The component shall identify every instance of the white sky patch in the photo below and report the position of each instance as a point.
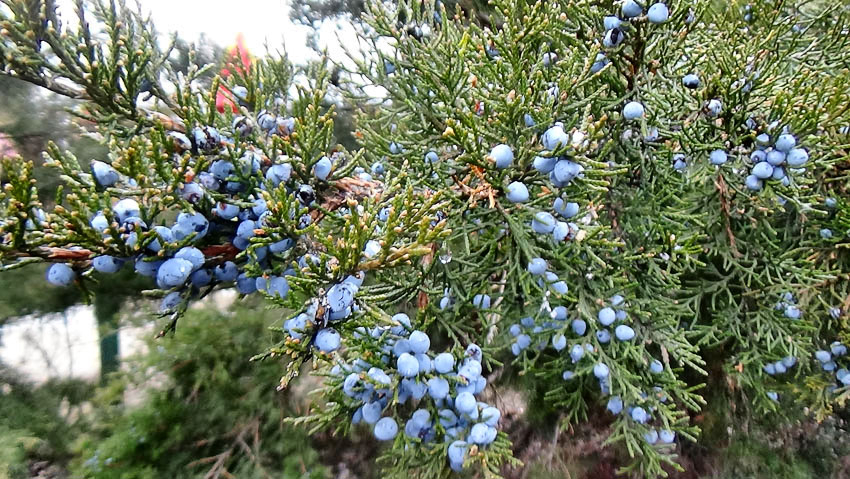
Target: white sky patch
(262, 22)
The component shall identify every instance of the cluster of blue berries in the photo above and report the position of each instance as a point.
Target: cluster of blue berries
(828, 364)
(527, 333)
(615, 28)
(443, 389)
(640, 415)
(561, 171)
(781, 366)
(201, 247)
(606, 317)
(771, 158)
(788, 306)
(827, 358)
(316, 320)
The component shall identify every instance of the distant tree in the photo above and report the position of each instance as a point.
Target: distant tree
(204, 411)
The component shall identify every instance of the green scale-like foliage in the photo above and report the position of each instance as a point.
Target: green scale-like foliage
(708, 273)
(700, 259)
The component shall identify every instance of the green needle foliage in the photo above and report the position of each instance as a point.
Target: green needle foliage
(715, 277)
(205, 410)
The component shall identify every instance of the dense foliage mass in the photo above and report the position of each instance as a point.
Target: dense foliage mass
(621, 205)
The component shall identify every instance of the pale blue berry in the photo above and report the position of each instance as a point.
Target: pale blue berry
(502, 156)
(481, 301)
(785, 142)
(371, 412)
(600, 370)
(797, 157)
(658, 13)
(517, 192)
(322, 168)
(565, 209)
(107, 264)
(631, 9)
(613, 38)
(173, 272)
(823, 356)
(456, 454)
(554, 138)
(465, 403)
(561, 231)
(444, 363)
(60, 274)
(407, 365)
(537, 266)
(478, 434)
(691, 81)
(655, 367)
(579, 327)
(125, 209)
(624, 333)
(491, 415)
(753, 182)
(523, 341)
(611, 22)
(762, 170)
(615, 405)
(633, 110)
(544, 164)
(385, 429)
(775, 157)
(576, 353)
(170, 302)
(201, 277)
(718, 157)
(559, 342)
(245, 284)
(714, 107)
(328, 340)
(438, 388)
(793, 312)
(666, 436)
(104, 174)
(639, 415)
(543, 223)
(559, 313)
(600, 62)
(419, 342)
(560, 287)
(606, 316)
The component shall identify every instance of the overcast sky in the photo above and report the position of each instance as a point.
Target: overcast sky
(260, 21)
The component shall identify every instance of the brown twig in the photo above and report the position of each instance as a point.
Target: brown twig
(723, 189)
(348, 188)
